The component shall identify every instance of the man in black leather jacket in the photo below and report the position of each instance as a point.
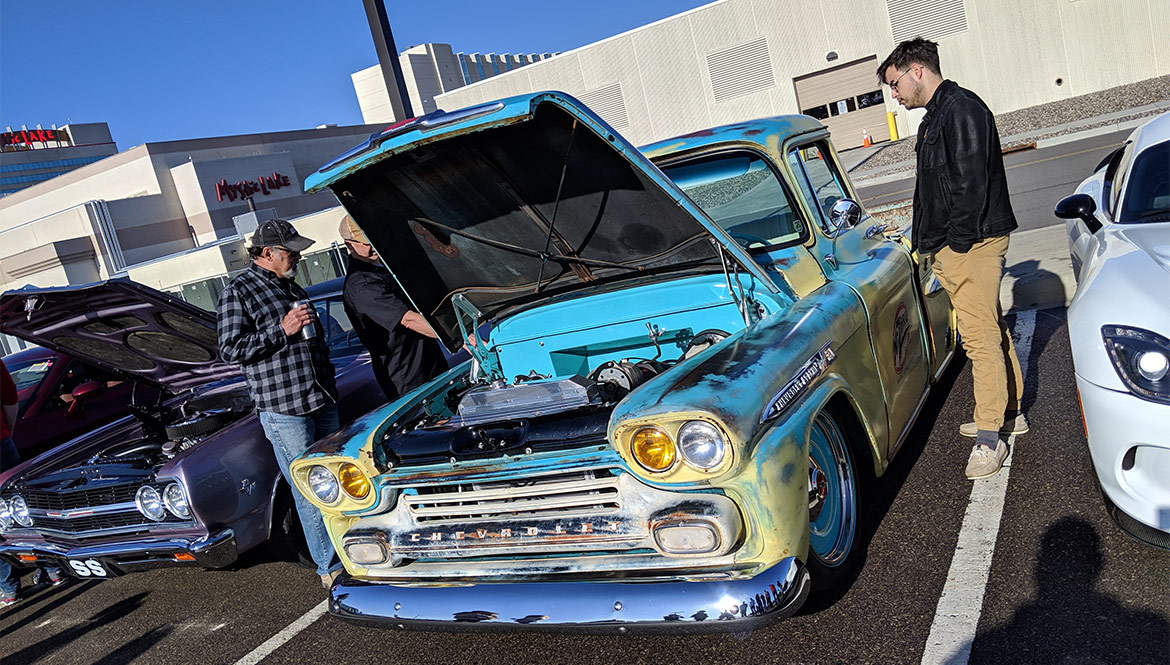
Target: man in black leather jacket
(962, 218)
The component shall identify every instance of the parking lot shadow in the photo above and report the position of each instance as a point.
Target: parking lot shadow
(56, 596)
(885, 490)
(136, 647)
(52, 643)
(1068, 621)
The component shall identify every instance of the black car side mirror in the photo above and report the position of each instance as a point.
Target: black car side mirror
(1079, 206)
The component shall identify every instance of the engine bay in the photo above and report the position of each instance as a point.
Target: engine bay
(480, 418)
(169, 429)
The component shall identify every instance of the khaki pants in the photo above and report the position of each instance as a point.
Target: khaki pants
(973, 281)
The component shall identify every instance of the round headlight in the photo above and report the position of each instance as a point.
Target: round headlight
(176, 501)
(353, 481)
(150, 503)
(653, 449)
(323, 484)
(1152, 365)
(5, 515)
(20, 511)
(701, 444)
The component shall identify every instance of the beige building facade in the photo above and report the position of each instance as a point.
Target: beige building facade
(734, 60)
(165, 213)
(429, 70)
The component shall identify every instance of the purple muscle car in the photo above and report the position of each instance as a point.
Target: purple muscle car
(188, 478)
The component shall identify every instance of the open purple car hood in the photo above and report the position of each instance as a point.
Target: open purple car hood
(127, 328)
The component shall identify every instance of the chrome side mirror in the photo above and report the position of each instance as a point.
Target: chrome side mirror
(844, 215)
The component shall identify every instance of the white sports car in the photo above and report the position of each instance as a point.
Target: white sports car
(1119, 325)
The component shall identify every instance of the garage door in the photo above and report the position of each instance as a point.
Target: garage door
(848, 99)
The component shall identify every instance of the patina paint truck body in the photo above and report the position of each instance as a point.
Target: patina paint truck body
(699, 353)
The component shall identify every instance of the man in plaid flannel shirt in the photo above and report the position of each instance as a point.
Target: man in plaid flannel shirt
(291, 379)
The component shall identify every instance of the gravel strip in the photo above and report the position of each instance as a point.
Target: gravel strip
(1033, 118)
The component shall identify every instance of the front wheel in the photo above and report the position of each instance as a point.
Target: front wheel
(833, 513)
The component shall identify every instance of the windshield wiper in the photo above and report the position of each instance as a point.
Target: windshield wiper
(1152, 213)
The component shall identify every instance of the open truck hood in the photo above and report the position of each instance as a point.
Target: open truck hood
(517, 201)
(129, 329)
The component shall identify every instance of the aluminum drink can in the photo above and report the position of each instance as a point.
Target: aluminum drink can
(310, 329)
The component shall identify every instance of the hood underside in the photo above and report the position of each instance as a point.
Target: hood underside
(121, 326)
(538, 200)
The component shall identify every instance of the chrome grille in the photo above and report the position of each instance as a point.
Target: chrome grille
(95, 523)
(79, 498)
(590, 492)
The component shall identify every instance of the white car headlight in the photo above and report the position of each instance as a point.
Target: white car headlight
(1142, 360)
(19, 509)
(150, 503)
(323, 484)
(5, 515)
(701, 444)
(176, 501)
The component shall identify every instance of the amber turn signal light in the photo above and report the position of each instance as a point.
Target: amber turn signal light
(653, 449)
(353, 481)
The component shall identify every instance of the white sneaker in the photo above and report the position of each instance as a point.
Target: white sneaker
(1015, 425)
(985, 462)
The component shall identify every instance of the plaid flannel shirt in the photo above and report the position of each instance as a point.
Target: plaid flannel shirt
(285, 374)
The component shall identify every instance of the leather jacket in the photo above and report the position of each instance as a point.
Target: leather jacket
(960, 195)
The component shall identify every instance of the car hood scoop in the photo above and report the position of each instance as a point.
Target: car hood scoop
(1151, 239)
(129, 329)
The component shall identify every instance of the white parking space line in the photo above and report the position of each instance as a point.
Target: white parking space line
(276, 641)
(961, 603)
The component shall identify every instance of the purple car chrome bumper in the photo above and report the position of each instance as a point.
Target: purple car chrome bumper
(213, 551)
(595, 607)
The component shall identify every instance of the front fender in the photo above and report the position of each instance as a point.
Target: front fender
(734, 382)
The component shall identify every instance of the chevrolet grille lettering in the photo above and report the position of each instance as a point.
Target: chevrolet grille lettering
(482, 533)
(458, 535)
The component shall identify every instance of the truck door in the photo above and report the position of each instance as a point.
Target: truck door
(883, 275)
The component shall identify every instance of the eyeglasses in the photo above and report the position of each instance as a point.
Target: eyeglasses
(894, 84)
(291, 253)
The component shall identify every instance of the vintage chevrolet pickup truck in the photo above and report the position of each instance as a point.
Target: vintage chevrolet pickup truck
(700, 354)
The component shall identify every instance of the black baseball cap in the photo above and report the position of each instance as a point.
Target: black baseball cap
(279, 233)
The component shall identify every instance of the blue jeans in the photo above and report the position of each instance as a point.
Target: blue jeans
(291, 436)
(9, 580)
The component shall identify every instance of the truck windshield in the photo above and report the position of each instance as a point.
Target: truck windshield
(743, 195)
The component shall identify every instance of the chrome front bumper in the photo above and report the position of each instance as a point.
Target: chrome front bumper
(214, 551)
(594, 607)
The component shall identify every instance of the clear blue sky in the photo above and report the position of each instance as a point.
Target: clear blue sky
(159, 70)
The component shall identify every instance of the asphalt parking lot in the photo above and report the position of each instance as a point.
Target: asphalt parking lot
(1064, 584)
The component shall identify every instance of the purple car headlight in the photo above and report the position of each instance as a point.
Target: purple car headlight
(19, 509)
(176, 501)
(150, 504)
(6, 520)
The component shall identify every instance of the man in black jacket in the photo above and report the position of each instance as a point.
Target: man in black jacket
(962, 218)
(402, 346)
